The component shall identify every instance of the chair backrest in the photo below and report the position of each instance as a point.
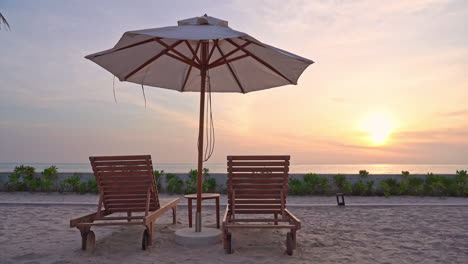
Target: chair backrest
(257, 184)
(124, 182)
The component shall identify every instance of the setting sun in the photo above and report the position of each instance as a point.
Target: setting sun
(378, 126)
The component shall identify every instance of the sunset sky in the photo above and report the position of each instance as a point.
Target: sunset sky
(390, 83)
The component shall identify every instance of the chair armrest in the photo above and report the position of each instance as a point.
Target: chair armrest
(150, 218)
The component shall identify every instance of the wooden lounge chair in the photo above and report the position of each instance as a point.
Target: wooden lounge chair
(258, 185)
(126, 185)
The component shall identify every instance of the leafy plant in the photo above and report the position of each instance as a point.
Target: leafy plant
(342, 183)
(157, 178)
(209, 183)
(363, 174)
(174, 184)
(191, 182)
(50, 178)
(404, 185)
(315, 184)
(27, 173)
(369, 187)
(73, 183)
(434, 184)
(406, 174)
(82, 187)
(359, 188)
(415, 186)
(461, 180)
(14, 183)
(297, 187)
(92, 186)
(389, 187)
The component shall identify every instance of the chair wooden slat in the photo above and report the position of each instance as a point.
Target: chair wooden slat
(114, 173)
(258, 185)
(258, 163)
(258, 169)
(257, 157)
(126, 185)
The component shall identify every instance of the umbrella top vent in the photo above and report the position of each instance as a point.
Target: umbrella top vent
(203, 20)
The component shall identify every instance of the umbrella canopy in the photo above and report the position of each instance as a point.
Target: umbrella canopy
(198, 49)
(169, 57)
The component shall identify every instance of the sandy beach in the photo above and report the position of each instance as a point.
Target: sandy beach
(40, 233)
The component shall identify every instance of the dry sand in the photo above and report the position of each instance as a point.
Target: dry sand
(382, 234)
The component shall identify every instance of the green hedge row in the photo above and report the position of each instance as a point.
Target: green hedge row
(431, 184)
(24, 179)
(175, 185)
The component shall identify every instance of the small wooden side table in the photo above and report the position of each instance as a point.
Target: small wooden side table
(205, 196)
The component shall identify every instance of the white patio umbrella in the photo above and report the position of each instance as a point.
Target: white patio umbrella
(200, 49)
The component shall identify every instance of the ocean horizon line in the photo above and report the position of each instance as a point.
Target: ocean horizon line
(294, 168)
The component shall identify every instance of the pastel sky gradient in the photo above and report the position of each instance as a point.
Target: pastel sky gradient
(405, 59)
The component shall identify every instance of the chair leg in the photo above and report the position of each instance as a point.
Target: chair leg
(217, 212)
(150, 232)
(189, 212)
(225, 238)
(276, 218)
(174, 215)
(294, 235)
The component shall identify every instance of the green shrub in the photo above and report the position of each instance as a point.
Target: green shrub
(415, 186)
(403, 187)
(369, 187)
(92, 186)
(191, 182)
(157, 179)
(315, 184)
(359, 188)
(406, 174)
(209, 183)
(363, 174)
(174, 184)
(342, 183)
(82, 187)
(297, 187)
(461, 180)
(25, 170)
(389, 187)
(72, 184)
(30, 182)
(435, 184)
(50, 178)
(14, 183)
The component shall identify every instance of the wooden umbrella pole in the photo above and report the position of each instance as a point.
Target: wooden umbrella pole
(203, 68)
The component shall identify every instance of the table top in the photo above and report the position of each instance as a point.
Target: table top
(204, 195)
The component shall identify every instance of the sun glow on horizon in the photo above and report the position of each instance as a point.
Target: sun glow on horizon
(378, 126)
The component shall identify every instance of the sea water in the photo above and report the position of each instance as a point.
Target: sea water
(294, 168)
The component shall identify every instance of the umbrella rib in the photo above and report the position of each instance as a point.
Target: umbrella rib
(189, 62)
(194, 52)
(228, 61)
(231, 70)
(185, 58)
(215, 44)
(151, 60)
(260, 60)
(230, 53)
(190, 67)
